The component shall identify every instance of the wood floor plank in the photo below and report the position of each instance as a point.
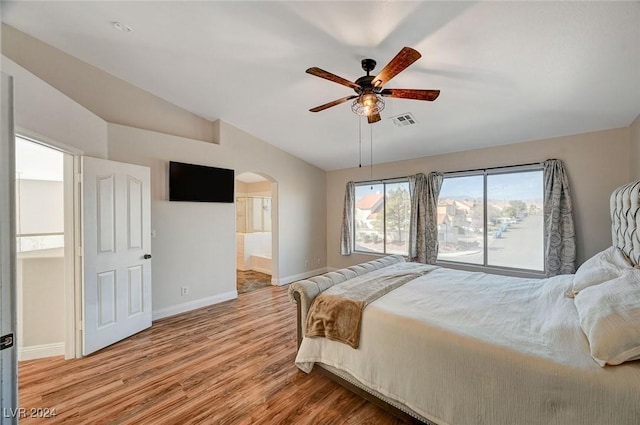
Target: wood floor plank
(231, 363)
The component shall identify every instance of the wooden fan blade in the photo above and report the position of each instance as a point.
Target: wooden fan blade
(403, 59)
(373, 118)
(332, 77)
(430, 95)
(333, 103)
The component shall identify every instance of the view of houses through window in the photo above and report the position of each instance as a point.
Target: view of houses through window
(510, 210)
(508, 204)
(382, 217)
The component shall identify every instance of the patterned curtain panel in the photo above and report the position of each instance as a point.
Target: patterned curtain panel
(348, 223)
(434, 183)
(418, 218)
(559, 232)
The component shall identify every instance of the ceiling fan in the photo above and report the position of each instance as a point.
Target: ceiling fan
(369, 92)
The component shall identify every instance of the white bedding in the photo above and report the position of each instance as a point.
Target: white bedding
(471, 348)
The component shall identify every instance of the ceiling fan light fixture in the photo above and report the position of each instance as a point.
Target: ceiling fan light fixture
(367, 104)
(369, 92)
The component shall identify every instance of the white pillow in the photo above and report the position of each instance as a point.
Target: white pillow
(610, 318)
(606, 265)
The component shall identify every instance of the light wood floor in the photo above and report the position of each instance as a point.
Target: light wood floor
(232, 363)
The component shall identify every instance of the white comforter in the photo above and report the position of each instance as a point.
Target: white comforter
(464, 348)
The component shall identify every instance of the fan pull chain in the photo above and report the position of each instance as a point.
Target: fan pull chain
(360, 142)
(371, 152)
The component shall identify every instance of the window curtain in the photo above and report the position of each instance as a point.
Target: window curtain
(559, 232)
(423, 222)
(418, 218)
(434, 184)
(348, 223)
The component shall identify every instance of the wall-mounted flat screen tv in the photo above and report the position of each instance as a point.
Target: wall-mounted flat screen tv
(198, 183)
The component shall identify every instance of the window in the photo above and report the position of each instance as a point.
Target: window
(493, 218)
(39, 197)
(382, 217)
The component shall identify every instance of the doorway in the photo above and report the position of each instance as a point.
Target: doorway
(42, 249)
(255, 244)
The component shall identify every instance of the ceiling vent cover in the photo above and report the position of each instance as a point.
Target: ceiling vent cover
(404, 120)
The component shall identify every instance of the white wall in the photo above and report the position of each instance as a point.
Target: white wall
(596, 164)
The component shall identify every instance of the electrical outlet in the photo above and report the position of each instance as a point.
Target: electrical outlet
(184, 290)
(306, 263)
(318, 261)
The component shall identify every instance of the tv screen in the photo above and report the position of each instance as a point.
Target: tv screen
(197, 183)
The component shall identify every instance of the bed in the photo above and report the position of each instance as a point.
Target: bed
(450, 347)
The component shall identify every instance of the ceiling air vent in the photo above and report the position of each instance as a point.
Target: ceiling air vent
(403, 120)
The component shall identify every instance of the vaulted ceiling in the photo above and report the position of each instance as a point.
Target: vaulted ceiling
(508, 71)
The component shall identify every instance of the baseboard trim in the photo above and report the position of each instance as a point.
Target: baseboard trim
(33, 352)
(192, 305)
(290, 279)
(261, 270)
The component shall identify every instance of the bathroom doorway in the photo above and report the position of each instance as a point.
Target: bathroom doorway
(255, 243)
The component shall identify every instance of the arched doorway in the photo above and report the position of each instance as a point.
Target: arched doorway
(256, 231)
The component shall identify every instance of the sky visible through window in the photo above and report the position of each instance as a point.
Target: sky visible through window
(509, 187)
(508, 223)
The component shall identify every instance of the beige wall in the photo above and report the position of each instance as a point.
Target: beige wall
(111, 98)
(46, 114)
(258, 188)
(634, 139)
(241, 187)
(593, 162)
(40, 206)
(41, 290)
(195, 242)
(253, 189)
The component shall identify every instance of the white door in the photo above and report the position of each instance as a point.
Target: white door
(116, 247)
(8, 355)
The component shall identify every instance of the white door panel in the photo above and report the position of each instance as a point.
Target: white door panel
(116, 238)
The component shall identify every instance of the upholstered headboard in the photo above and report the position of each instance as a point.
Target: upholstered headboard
(625, 220)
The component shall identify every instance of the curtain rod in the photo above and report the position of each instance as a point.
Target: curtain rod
(495, 168)
(382, 180)
(452, 172)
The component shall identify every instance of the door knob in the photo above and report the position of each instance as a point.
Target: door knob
(147, 256)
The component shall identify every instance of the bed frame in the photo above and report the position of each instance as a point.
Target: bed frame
(302, 294)
(395, 411)
(625, 220)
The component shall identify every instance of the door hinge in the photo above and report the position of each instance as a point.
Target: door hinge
(79, 178)
(6, 341)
